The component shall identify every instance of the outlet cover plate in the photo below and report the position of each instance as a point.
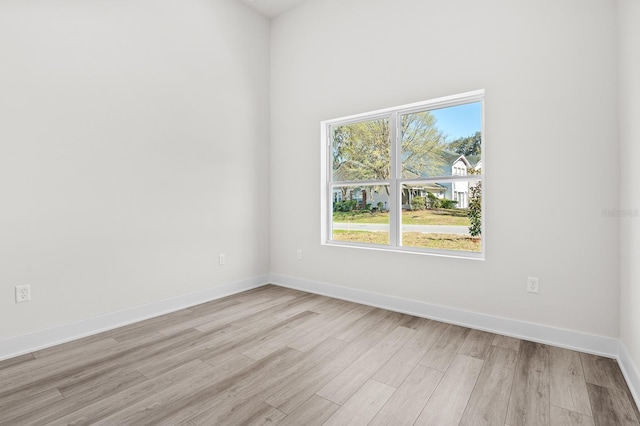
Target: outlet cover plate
(23, 293)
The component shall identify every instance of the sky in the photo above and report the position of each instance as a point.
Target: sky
(459, 121)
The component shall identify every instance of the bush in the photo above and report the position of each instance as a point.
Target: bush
(448, 204)
(418, 203)
(344, 206)
(475, 210)
(434, 202)
(380, 206)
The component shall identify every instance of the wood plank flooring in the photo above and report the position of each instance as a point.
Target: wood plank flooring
(283, 357)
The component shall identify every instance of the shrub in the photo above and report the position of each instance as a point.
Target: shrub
(448, 204)
(344, 206)
(475, 210)
(418, 203)
(432, 201)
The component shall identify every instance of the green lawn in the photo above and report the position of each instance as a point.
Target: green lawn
(416, 217)
(413, 239)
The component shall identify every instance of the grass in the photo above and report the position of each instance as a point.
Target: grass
(413, 239)
(415, 217)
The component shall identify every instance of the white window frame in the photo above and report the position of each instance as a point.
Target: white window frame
(396, 181)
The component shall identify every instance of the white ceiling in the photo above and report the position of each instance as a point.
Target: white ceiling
(272, 8)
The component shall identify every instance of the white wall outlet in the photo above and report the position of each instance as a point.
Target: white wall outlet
(533, 285)
(222, 259)
(23, 293)
(299, 254)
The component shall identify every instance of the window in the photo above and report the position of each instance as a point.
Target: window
(408, 178)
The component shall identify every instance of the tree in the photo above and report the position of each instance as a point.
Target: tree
(422, 145)
(469, 145)
(362, 151)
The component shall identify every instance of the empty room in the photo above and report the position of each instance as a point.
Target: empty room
(319, 212)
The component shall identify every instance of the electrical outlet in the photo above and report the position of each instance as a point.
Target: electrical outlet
(222, 259)
(23, 293)
(299, 254)
(533, 285)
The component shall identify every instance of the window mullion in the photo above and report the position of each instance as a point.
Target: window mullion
(395, 205)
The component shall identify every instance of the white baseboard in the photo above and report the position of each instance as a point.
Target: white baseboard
(575, 340)
(583, 342)
(25, 343)
(630, 372)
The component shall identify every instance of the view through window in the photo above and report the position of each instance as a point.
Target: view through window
(407, 178)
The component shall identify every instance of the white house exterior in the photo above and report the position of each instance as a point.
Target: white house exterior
(367, 195)
(456, 165)
(459, 191)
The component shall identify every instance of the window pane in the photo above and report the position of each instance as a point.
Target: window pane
(442, 142)
(361, 151)
(442, 215)
(360, 214)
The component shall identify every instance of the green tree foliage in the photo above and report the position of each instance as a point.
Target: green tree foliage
(469, 145)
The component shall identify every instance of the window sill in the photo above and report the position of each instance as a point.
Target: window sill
(409, 250)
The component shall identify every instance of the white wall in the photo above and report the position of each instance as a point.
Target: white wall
(133, 150)
(549, 70)
(629, 92)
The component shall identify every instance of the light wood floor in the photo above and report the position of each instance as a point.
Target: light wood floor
(279, 356)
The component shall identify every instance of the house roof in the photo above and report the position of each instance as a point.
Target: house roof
(427, 186)
(450, 159)
(474, 159)
(471, 160)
